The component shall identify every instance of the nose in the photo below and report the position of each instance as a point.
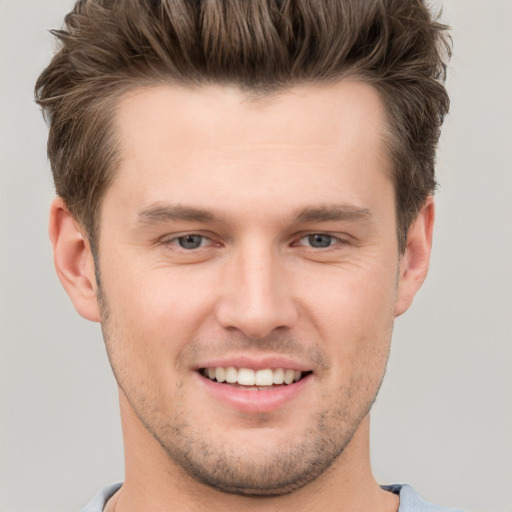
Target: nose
(256, 296)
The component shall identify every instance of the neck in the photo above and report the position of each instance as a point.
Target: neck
(154, 482)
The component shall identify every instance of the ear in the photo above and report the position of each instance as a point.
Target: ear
(73, 260)
(414, 262)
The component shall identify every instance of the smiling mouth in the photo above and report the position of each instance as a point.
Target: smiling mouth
(247, 378)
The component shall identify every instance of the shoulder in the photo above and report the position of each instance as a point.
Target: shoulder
(410, 501)
(98, 502)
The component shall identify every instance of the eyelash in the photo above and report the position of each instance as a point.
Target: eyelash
(336, 240)
(175, 241)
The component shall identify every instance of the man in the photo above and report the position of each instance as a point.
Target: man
(245, 204)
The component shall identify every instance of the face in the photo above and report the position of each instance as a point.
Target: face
(248, 260)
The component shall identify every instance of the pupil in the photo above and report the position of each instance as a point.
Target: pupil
(190, 241)
(320, 240)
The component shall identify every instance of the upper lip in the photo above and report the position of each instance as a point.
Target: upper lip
(255, 363)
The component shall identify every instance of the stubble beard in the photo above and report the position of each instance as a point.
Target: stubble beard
(226, 467)
(229, 468)
(283, 469)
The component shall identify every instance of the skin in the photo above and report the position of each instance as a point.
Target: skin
(265, 174)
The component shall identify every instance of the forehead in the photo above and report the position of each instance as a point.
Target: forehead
(214, 142)
(332, 114)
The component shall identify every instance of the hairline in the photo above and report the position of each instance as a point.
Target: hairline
(135, 85)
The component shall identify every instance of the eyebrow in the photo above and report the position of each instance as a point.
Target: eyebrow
(171, 212)
(332, 213)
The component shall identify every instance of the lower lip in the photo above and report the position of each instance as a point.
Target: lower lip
(254, 400)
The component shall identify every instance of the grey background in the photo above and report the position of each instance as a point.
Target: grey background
(443, 421)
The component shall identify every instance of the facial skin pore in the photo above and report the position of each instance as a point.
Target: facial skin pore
(254, 233)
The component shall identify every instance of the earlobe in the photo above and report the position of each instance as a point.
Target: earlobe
(415, 261)
(73, 260)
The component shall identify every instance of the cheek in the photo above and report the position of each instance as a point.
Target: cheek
(354, 316)
(155, 313)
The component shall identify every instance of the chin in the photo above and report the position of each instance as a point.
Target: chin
(269, 466)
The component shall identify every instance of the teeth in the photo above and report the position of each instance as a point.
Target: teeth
(220, 374)
(231, 374)
(246, 377)
(278, 376)
(263, 379)
(288, 376)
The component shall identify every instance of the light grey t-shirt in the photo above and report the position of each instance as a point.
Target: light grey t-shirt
(409, 500)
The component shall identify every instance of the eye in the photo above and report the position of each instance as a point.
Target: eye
(319, 240)
(191, 241)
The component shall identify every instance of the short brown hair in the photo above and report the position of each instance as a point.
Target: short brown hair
(111, 46)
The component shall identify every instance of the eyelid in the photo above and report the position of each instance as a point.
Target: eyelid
(172, 240)
(340, 241)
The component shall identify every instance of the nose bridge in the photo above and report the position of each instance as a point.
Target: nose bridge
(256, 298)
